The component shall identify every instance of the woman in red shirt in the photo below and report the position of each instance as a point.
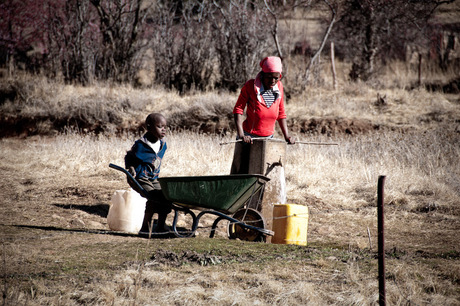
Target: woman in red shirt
(263, 98)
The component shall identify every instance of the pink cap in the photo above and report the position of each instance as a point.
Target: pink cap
(271, 64)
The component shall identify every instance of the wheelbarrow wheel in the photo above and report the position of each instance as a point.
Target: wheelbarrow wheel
(250, 217)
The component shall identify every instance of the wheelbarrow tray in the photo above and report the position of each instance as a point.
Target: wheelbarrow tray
(224, 193)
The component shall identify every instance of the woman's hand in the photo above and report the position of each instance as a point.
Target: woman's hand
(290, 140)
(247, 139)
(284, 129)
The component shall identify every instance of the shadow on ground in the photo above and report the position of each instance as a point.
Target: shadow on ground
(101, 209)
(165, 235)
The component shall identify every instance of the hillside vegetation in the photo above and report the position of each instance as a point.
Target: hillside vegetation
(40, 106)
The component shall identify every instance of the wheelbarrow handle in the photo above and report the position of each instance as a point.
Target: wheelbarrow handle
(131, 178)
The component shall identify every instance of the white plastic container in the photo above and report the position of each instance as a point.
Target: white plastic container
(126, 212)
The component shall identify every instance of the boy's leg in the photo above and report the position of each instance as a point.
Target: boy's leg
(147, 224)
(161, 206)
(156, 203)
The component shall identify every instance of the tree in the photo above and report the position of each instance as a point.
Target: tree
(120, 24)
(315, 57)
(192, 43)
(20, 22)
(240, 40)
(371, 30)
(72, 39)
(183, 45)
(81, 39)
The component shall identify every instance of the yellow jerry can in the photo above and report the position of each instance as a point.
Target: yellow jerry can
(290, 224)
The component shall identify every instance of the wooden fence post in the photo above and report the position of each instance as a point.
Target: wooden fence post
(419, 69)
(334, 75)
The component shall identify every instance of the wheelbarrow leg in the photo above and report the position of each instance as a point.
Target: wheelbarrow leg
(194, 222)
(240, 223)
(214, 225)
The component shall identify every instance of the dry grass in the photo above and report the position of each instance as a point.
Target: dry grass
(56, 190)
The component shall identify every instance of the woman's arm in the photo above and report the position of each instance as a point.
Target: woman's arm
(239, 128)
(238, 111)
(284, 129)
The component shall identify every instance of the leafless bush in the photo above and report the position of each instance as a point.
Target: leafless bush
(203, 46)
(120, 24)
(182, 47)
(241, 40)
(376, 31)
(77, 39)
(72, 41)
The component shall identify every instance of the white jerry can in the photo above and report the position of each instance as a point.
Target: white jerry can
(126, 212)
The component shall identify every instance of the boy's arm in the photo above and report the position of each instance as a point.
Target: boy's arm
(131, 161)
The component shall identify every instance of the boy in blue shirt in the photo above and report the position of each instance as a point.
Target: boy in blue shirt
(143, 161)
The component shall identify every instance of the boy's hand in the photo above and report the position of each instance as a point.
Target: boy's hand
(132, 171)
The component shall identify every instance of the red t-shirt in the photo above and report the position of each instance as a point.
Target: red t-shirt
(260, 120)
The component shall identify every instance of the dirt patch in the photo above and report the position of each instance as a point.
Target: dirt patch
(451, 87)
(334, 126)
(171, 258)
(23, 126)
(208, 119)
(29, 126)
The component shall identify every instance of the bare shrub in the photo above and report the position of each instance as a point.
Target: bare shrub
(208, 114)
(79, 40)
(120, 25)
(183, 47)
(241, 41)
(373, 32)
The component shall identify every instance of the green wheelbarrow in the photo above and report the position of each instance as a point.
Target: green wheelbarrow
(225, 196)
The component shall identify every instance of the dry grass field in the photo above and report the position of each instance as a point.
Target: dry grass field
(55, 188)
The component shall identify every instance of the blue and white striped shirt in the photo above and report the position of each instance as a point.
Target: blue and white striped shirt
(269, 97)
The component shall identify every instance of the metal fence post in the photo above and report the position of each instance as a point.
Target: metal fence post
(381, 240)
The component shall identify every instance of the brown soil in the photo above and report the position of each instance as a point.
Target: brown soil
(335, 126)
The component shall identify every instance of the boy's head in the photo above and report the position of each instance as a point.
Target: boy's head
(156, 125)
